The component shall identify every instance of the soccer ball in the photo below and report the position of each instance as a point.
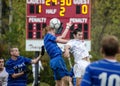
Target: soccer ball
(55, 23)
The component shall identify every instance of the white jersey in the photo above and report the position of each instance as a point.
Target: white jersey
(78, 49)
(3, 77)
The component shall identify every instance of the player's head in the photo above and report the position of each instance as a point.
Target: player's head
(46, 30)
(110, 45)
(14, 51)
(1, 63)
(77, 33)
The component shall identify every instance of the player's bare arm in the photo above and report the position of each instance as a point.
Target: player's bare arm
(67, 51)
(60, 40)
(68, 25)
(16, 75)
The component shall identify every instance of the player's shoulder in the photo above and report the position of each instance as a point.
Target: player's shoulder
(9, 61)
(50, 36)
(71, 41)
(21, 56)
(95, 63)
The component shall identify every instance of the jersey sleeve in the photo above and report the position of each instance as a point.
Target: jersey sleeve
(52, 38)
(5, 78)
(9, 69)
(27, 60)
(70, 43)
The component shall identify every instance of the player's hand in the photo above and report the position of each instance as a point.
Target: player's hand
(67, 54)
(68, 25)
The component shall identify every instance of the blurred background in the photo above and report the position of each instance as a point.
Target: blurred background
(105, 19)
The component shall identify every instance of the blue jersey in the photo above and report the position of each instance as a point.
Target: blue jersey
(102, 73)
(17, 66)
(51, 46)
(57, 63)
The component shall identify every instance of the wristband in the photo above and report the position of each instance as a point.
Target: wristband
(67, 27)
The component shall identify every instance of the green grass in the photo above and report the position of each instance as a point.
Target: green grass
(41, 84)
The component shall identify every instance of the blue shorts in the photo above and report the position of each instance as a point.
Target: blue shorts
(17, 84)
(59, 68)
(73, 78)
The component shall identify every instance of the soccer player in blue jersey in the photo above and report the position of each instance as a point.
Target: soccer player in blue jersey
(16, 68)
(105, 72)
(57, 64)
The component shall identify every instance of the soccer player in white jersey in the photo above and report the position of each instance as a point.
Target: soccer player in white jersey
(81, 55)
(3, 73)
(105, 72)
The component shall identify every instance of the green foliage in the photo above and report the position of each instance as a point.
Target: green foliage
(15, 35)
(105, 20)
(41, 84)
(47, 73)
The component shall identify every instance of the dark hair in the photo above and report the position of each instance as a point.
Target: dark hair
(1, 58)
(75, 31)
(110, 45)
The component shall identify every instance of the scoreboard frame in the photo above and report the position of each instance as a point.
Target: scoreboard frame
(39, 13)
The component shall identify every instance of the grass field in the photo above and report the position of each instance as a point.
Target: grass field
(41, 84)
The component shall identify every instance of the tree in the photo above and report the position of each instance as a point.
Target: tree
(105, 20)
(10, 14)
(0, 17)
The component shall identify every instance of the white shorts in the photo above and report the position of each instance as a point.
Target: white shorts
(79, 68)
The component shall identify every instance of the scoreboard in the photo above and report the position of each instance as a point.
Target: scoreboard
(39, 13)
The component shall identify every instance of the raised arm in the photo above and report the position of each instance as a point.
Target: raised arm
(68, 25)
(34, 61)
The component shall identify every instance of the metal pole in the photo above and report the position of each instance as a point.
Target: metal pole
(36, 69)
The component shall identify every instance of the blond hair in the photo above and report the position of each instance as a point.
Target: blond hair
(45, 30)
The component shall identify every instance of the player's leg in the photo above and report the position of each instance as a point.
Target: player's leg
(61, 73)
(79, 70)
(73, 77)
(77, 73)
(58, 82)
(66, 81)
(62, 81)
(78, 80)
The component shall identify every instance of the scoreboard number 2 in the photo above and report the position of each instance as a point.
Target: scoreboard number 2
(62, 11)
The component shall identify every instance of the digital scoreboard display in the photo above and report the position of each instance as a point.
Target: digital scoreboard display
(39, 13)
